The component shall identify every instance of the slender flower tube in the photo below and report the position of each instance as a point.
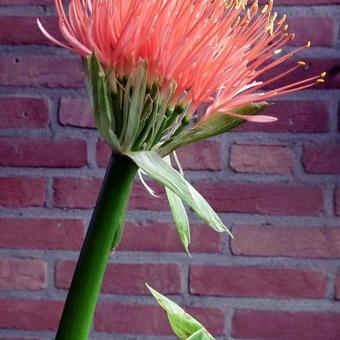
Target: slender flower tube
(150, 65)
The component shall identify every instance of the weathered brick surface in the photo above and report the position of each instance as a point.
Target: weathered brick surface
(292, 241)
(261, 158)
(17, 192)
(321, 158)
(43, 152)
(41, 233)
(129, 279)
(275, 185)
(162, 237)
(23, 274)
(259, 198)
(286, 325)
(21, 112)
(295, 117)
(131, 319)
(33, 315)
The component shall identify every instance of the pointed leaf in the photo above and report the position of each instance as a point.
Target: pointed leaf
(179, 215)
(158, 169)
(201, 334)
(183, 324)
(101, 101)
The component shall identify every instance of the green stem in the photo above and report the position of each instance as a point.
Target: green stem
(103, 235)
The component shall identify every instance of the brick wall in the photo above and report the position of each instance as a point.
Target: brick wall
(277, 185)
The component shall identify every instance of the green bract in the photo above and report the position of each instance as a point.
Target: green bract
(183, 324)
(139, 120)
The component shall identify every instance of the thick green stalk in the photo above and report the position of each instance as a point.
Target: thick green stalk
(103, 234)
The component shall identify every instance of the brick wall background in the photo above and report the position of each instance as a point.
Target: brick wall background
(277, 186)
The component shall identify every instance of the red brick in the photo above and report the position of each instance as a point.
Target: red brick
(24, 30)
(23, 274)
(294, 117)
(321, 158)
(41, 71)
(204, 155)
(337, 201)
(71, 192)
(34, 315)
(162, 237)
(337, 287)
(304, 28)
(76, 112)
(21, 112)
(261, 158)
(103, 153)
(43, 234)
(257, 282)
(312, 242)
(129, 278)
(286, 325)
(17, 192)
(43, 152)
(272, 199)
(82, 193)
(199, 156)
(131, 319)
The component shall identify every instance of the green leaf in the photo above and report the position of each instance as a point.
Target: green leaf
(201, 334)
(219, 123)
(179, 215)
(183, 324)
(101, 101)
(158, 169)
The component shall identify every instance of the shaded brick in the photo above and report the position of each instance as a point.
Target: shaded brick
(337, 287)
(286, 241)
(162, 237)
(30, 233)
(23, 274)
(19, 192)
(257, 282)
(24, 30)
(41, 71)
(131, 319)
(43, 152)
(295, 117)
(286, 325)
(321, 158)
(261, 158)
(21, 112)
(34, 315)
(272, 199)
(129, 278)
(304, 28)
(76, 112)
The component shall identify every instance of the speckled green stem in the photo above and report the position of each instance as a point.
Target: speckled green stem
(103, 234)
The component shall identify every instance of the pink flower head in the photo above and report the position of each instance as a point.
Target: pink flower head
(215, 51)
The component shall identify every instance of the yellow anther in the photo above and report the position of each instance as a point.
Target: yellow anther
(309, 44)
(270, 5)
(301, 63)
(323, 74)
(320, 81)
(264, 9)
(286, 27)
(282, 20)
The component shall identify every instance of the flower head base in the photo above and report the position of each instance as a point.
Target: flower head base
(189, 52)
